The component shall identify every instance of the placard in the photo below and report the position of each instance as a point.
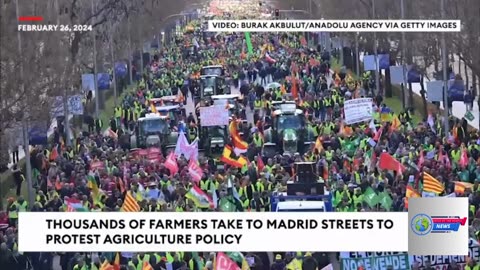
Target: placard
(358, 110)
(214, 116)
(435, 91)
(369, 62)
(396, 74)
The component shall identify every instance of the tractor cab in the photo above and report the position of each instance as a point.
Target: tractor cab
(211, 85)
(215, 70)
(150, 131)
(288, 132)
(213, 139)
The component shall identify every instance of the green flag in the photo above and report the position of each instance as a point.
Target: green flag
(370, 197)
(226, 205)
(248, 41)
(385, 200)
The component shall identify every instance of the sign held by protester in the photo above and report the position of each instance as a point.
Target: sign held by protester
(396, 261)
(214, 116)
(358, 110)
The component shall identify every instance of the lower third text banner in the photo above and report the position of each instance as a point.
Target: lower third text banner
(211, 231)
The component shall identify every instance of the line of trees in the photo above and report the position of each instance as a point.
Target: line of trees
(53, 62)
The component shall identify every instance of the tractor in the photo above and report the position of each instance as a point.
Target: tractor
(153, 130)
(288, 133)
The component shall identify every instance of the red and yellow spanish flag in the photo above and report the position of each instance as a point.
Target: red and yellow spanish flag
(430, 184)
(227, 158)
(240, 146)
(130, 204)
(395, 123)
(461, 186)
(411, 193)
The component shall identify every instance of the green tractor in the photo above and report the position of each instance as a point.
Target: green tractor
(213, 139)
(288, 133)
(153, 130)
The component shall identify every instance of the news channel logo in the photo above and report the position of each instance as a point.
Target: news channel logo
(423, 224)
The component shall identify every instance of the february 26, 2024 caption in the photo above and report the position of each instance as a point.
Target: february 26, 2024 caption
(179, 231)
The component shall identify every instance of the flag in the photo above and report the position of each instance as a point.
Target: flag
(153, 108)
(370, 197)
(430, 184)
(223, 262)
(74, 205)
(147, 266)
(461, 186)
(240, 146)
(378, 134)
(395, 123)
(195, 171)
(387, 162)
(93, 186)
(269, 59)
(116, 263)
(410, 193)
(130, 204)
(385, 200)
(248, 42)
(171, 163)
(189, 151)
(53, 154)
(227, 159)
(199, 198)
(318, 144)
(106, 266)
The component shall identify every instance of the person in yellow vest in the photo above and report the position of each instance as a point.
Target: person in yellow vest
(296, 263)
(472, 264)
(192, 132)
(257, 141)
(357, 197)
(248, 189)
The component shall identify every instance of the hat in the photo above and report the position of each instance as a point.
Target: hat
(308, 254)
(278, 257)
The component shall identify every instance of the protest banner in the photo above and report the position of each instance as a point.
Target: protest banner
(357, 110)
(442, 262)
(374, 260)
(214, 116)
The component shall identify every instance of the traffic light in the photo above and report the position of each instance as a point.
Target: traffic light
(277, 13)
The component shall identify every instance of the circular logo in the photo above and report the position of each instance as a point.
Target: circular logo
(421, 224)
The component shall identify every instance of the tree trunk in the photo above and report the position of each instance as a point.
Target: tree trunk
(424, 99)
(410, 96)
(466, 76)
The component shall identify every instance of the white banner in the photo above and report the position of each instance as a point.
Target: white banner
(189, 151)
(358, 110)
(214, 116)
